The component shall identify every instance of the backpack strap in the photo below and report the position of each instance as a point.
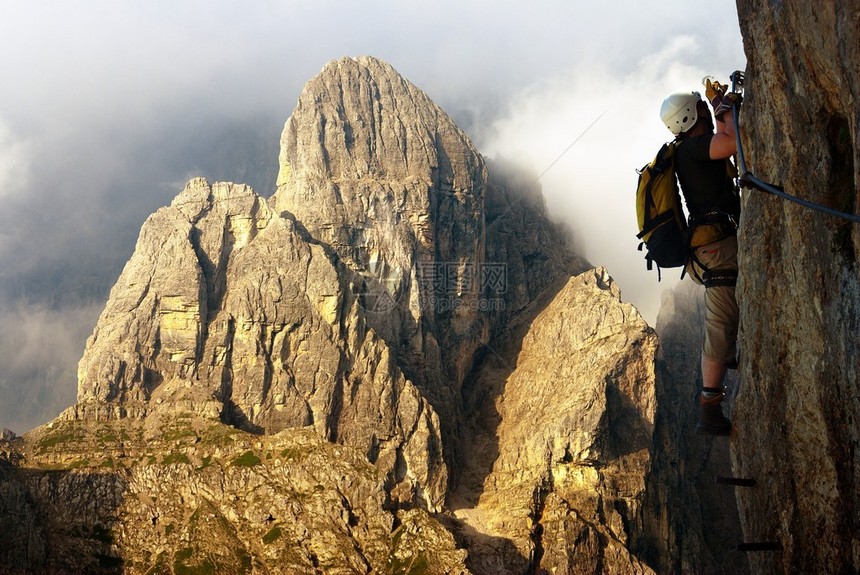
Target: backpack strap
(653, 223)
(650, 263)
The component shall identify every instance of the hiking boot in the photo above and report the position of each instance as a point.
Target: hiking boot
(711, 419)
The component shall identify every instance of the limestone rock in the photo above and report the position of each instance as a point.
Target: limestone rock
(354, 307)
(377, 173)
(203, 496)
(225, 309)
(563, 414)
(799, 291)
(388, 366)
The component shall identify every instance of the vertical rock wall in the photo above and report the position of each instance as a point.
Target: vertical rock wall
(24, 547)
(376, 173)
(796, 420)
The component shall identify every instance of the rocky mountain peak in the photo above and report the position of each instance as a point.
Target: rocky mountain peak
(360, 119)
(381, 176)
(353, 301)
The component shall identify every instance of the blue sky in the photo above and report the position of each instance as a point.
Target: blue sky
(107, 108)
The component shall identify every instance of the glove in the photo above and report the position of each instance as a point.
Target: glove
(726, 103)
(714, 92)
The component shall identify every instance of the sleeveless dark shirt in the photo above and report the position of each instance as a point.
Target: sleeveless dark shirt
(706, 185)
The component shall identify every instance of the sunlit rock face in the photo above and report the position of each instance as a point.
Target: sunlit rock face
(225, 310)
(355, 305)
(796, 426)
(180, 493)
(383, 179)
(562, 419)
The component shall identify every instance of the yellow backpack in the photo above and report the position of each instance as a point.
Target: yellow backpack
(662, 225)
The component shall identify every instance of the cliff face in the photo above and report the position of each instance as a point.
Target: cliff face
(376, 173)
(225, 310)
(562, 414)
(796, 428)
(176, 493)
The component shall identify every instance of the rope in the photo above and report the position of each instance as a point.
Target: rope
(747, 179)
(567, 149)
(754, 182)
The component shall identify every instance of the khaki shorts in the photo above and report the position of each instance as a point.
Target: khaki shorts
(721, 307)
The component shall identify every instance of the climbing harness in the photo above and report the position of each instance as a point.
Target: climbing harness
(719, 278)
(747, 179)
(728, 226)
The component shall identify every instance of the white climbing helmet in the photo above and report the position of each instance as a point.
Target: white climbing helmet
(679, 111)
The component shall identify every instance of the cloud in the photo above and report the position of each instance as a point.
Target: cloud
(614, 121)
(40, 360)
(15, 158)
(110, 107)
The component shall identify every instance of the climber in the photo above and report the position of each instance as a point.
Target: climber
(706, 176)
